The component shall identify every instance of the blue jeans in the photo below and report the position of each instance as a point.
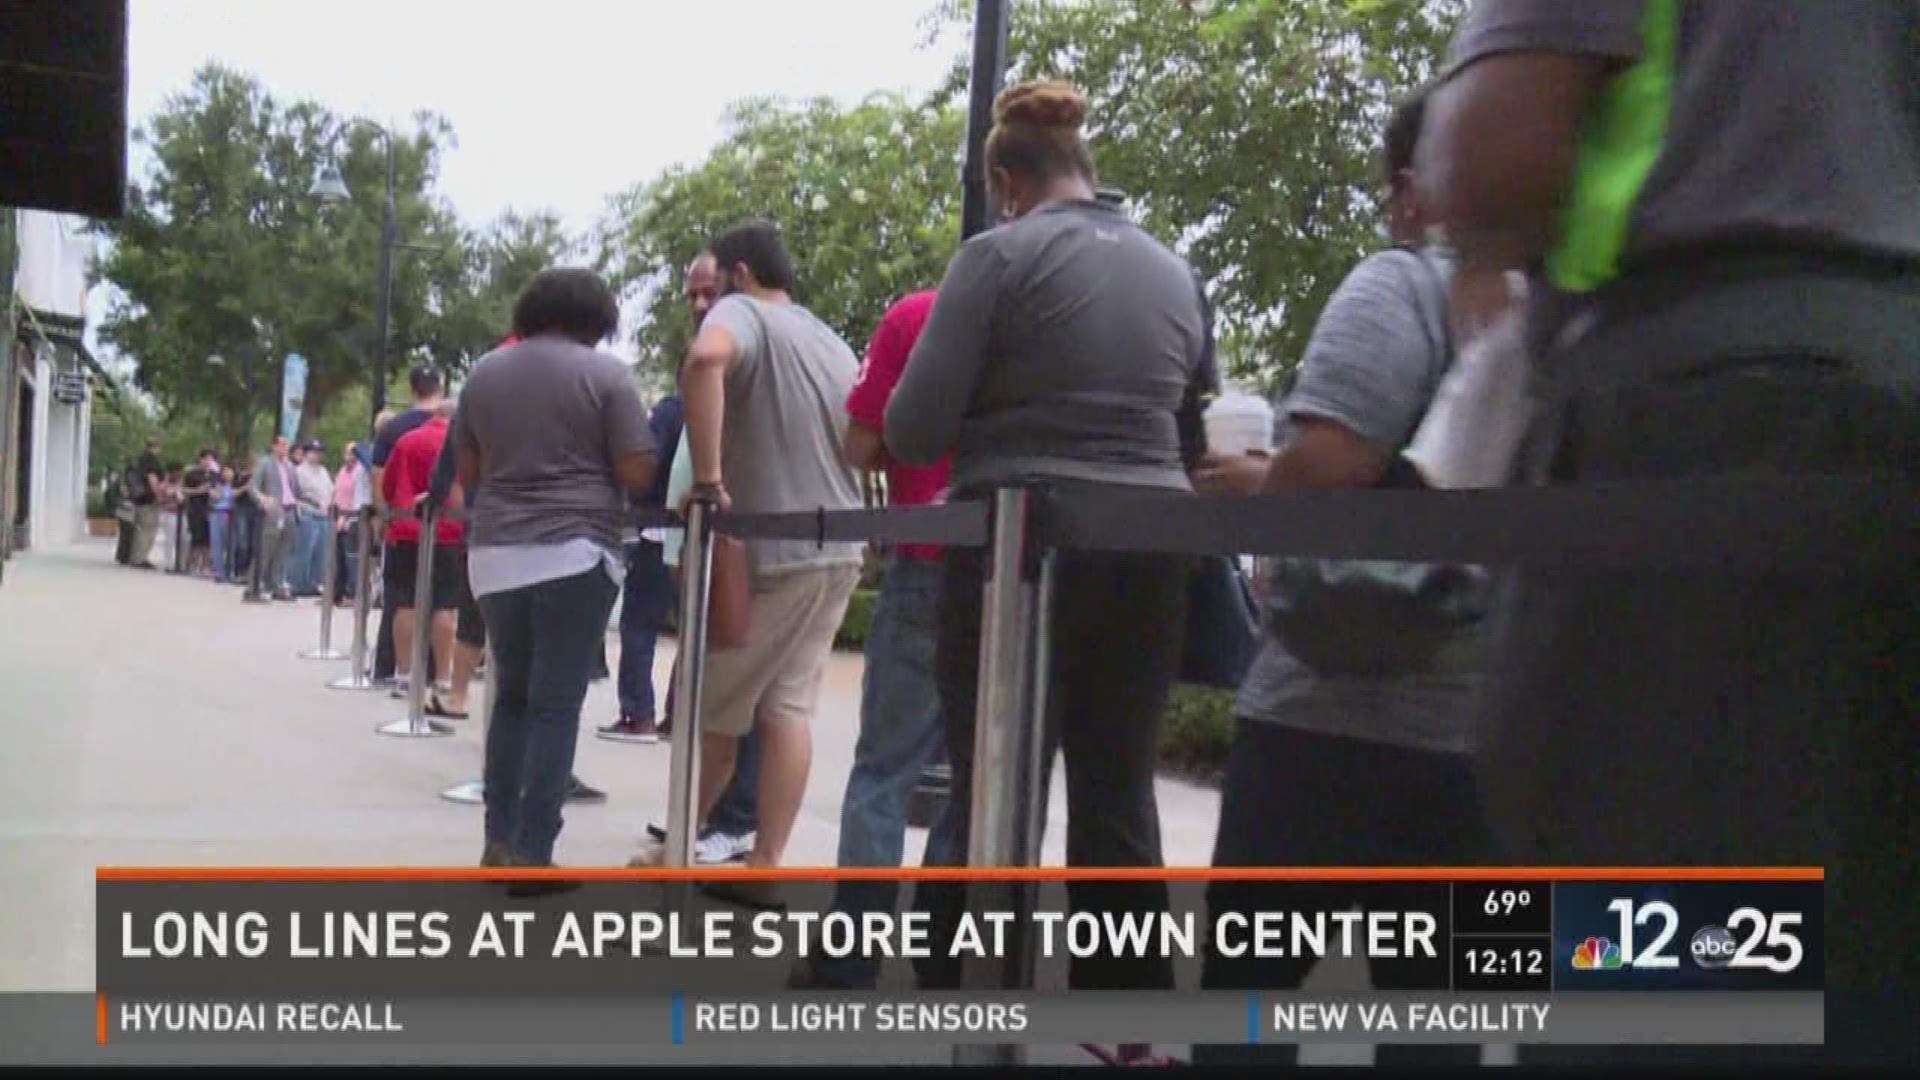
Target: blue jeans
(217, 530)
(643, 610)
(737, 812)
(900, 734)
(309, 531)
(544, 640)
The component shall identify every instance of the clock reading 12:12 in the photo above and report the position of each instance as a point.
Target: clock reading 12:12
(1524, 960)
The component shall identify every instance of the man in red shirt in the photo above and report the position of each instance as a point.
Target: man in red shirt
(407, 477)
(900, 729)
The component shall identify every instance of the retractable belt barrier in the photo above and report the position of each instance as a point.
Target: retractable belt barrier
(1741, 524)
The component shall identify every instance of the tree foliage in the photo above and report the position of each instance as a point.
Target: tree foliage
(866, 196)
(1245, 132)
(224, 253)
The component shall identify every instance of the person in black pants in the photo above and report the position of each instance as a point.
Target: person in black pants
(1062, 351)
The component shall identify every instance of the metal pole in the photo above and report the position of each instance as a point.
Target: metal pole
(683, 771)
(358, 678)
(389, 235)
(330, 579)
(475, 791)
(1007, 734)
(417, 724)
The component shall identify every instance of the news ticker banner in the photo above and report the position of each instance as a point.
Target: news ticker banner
(1709, 959)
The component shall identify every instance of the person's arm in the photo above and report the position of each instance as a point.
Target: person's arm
(1502, 134)
(863, 446)
(1363, 384)
(924, 415)
(730, 332)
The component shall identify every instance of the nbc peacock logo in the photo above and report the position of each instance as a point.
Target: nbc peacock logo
(1596, 954)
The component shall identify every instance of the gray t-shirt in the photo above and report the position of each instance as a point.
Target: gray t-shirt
(1060, 348)
(1794, 123)
(549, 416)
(786, 407)
(1372, 365)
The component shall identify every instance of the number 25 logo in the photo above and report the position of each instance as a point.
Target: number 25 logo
(1773, 934)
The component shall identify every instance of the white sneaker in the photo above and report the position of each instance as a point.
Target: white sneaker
(716, 848)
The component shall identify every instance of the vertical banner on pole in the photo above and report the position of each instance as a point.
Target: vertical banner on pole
(293, 394)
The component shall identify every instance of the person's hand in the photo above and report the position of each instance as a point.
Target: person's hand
(1230, 474)
(715, 493)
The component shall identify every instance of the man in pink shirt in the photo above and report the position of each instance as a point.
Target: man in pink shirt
(900, 729)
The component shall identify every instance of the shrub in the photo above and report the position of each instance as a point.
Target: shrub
(859, 621)
(1196, 733)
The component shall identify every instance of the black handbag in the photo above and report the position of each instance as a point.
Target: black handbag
(1223, 625)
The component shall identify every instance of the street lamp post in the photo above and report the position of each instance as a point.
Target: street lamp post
(330, 187)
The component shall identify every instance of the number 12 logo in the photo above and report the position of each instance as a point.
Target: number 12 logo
(1654, 955)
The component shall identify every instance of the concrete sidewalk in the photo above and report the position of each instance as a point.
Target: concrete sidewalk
(153, 720)
(156, 720)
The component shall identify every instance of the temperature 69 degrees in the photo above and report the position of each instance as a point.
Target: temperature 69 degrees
(1750, 940)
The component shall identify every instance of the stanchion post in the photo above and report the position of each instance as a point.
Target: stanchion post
(329, 580)
(417, 724)
(360, 677)
(1008, 742)
(179, 549)
(683, 771)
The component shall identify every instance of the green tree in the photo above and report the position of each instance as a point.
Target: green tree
(473, 284)
(1245, 132)
(223, 253)
(866, 196)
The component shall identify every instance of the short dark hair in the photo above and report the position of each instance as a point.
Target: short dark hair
(424, 379)
(758, 244)
(572, 302)
(1403, 131)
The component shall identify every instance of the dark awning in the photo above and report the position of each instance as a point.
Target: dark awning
(63, 105)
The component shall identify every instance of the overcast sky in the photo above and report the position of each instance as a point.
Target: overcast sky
(555, 103)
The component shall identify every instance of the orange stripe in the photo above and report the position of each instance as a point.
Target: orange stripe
(1029, 873)
(100, 1019)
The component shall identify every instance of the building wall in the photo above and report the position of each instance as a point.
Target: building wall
(51, 276)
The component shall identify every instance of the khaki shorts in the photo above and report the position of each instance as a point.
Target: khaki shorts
(775, 677)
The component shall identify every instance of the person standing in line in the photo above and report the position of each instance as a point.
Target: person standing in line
(1063, 350)
(406, 479)
(246, 527)
(1396, 705)
(316, 494)
(554, 432)
(171, 531)
(730, 827)
(649, 593)
(425, 383)
(220, 525)
(777, 378)
(147, 478)
(344, 538)
(197, 487)
(1718, 206)
(275, 491)
(900, 729)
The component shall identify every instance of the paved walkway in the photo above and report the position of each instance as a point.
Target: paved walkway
(154, 720)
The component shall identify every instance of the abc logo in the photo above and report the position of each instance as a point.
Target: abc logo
(1713, 946)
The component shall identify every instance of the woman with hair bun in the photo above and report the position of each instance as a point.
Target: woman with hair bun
(1065, 351)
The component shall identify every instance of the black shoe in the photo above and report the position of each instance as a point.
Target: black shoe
(579, 792)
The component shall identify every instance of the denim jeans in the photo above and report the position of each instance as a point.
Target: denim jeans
(737, 812)
(306, 567)
(544, 639)
(649, 596)
(218, 523)
(900, 734)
